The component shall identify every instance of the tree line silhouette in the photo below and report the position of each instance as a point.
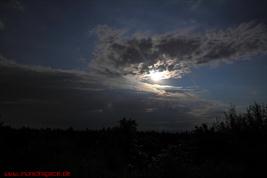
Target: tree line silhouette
(233, 147)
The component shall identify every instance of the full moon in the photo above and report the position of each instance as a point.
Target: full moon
(156, 76)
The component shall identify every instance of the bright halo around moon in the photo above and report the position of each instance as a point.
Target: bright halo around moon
(156, 76)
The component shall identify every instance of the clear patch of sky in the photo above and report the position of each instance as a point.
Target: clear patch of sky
(242, 82)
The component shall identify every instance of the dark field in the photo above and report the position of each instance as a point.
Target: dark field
(236, 147)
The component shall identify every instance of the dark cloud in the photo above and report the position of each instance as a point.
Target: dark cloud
(2, 25)
(5, 7)
(13, 4)
(44, 97)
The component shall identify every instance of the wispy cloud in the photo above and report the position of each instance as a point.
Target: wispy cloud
(61, 97)
(120, 55)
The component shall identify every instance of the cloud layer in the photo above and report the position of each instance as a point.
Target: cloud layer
(116, 82)
(119, 54)
(43, 97)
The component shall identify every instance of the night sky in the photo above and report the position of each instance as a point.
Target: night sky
(168, 64)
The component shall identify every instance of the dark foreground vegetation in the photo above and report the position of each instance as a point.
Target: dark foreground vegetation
(236, 147)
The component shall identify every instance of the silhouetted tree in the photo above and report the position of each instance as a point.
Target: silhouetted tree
(128, 125)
